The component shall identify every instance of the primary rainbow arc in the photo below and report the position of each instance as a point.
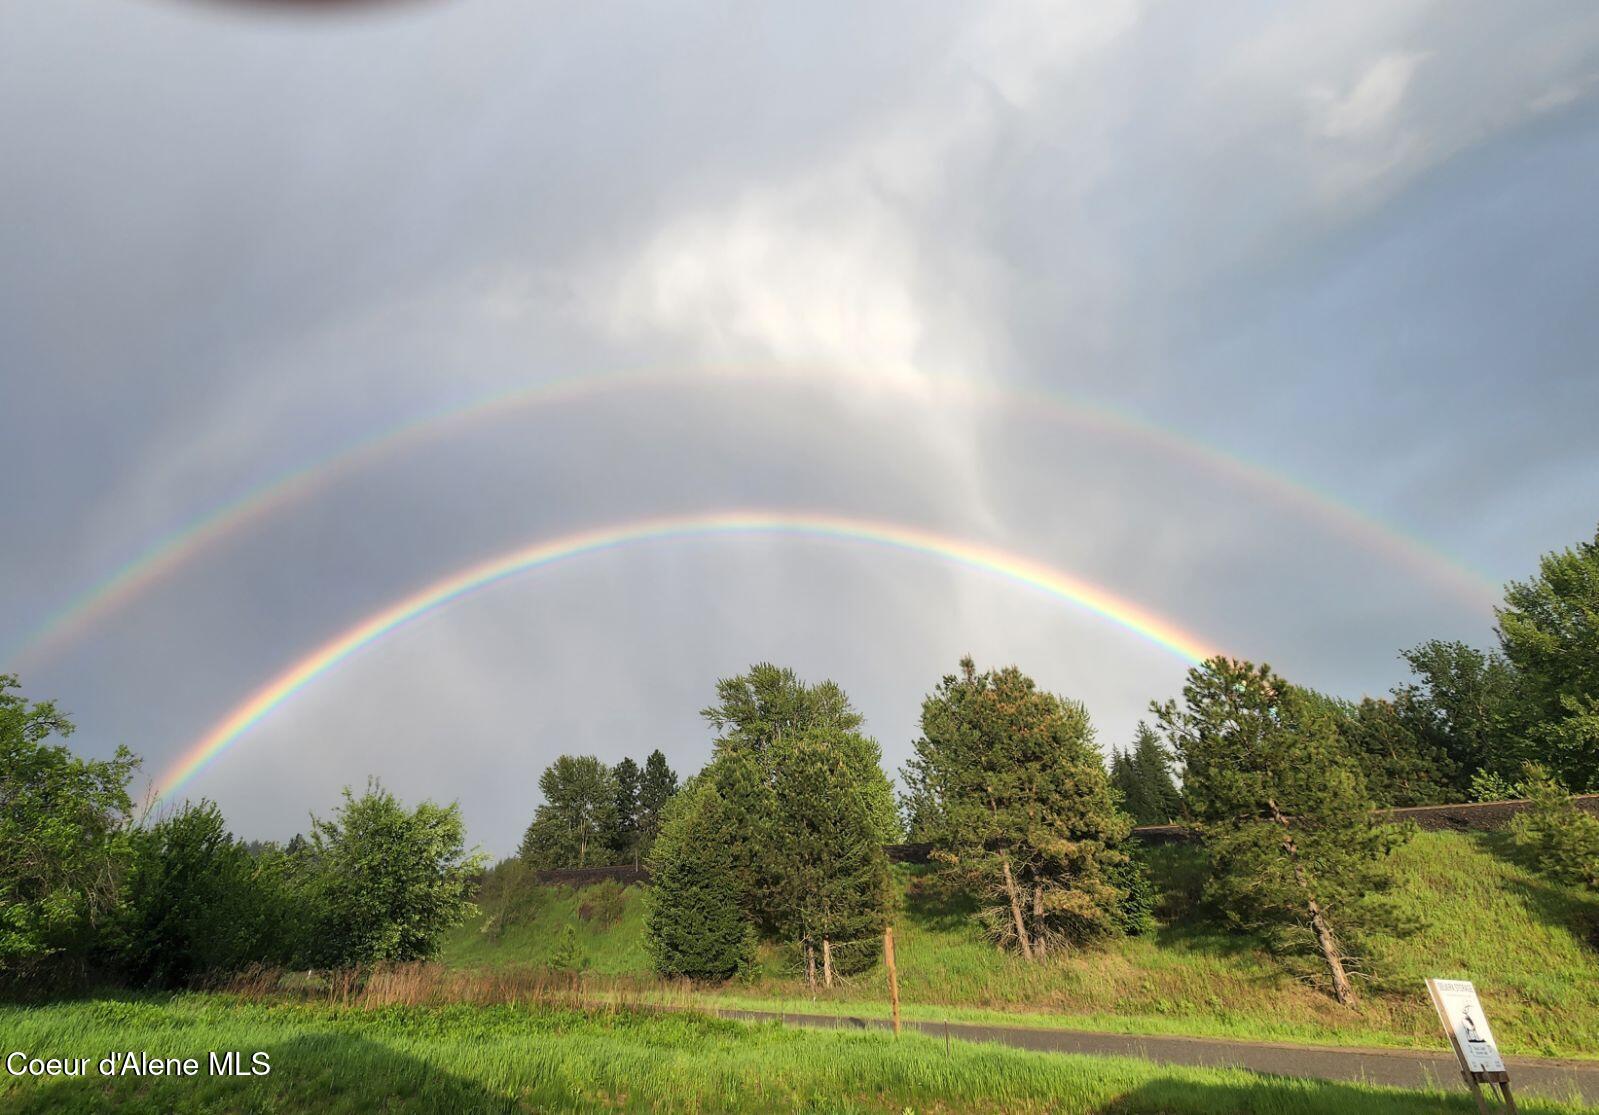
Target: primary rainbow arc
(1016, 567)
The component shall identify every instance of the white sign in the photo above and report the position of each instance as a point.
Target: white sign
(1461, 1014)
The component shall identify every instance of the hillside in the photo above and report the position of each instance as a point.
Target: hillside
(1531, 946)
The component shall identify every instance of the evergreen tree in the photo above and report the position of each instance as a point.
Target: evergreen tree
(1144, 778)
(1562, 839)
(826, 842)
(695, 924)
(1549, 631)
(623, 836)
(1402, 763)
(1283, 811)
(1024, 809)
(656, 786)
(571, 825)
(768, 702)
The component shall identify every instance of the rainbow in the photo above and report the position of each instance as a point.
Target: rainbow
(172, 551)
(988, 559)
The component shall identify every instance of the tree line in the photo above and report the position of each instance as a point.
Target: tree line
(780, 836)
(91, 891)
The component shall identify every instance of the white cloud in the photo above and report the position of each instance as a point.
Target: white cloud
(1369, 106)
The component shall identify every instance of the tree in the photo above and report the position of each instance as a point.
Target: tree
(756, 708)
(1283, 811)
(386, 882)
(1549, 631)
(1401, 761)
(1143, 775)
(63, 841)
(695, 924)
(656, 786)
(623, 837)
(1462, 706)
(197, 901)
(1561, 839)
(578, 811)
(1020, 806)
(830, 797)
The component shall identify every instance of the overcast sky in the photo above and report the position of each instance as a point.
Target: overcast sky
(1352, 245)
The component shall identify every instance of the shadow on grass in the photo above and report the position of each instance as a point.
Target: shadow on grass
(1277, 1096)
(324, 1072)
(1554, 903)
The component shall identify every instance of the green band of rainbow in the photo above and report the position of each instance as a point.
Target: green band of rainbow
(988, 559)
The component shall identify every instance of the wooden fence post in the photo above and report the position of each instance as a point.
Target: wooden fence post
(893, 974)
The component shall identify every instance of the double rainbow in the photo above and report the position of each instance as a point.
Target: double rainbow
(169, 553)
(988, 559)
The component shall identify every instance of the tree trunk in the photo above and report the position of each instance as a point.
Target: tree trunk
(827, 962)
(1039, 946)
(1342, 989)
(1016, 912)
(810, 967)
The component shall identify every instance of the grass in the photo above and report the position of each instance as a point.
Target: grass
(516, 1058)
(1528, 944)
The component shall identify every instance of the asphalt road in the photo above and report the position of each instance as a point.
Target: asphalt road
(1400, 1068)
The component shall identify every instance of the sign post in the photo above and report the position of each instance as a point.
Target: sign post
(1473, 1042)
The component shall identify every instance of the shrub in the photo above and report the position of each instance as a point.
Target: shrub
(603, 904)
(1560, 838)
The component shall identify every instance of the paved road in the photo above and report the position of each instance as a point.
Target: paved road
(1556, 1079)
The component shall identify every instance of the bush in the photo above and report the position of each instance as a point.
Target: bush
(1562, 840)
(196, 902)
(386, 882)
(63, 844)
(603, 904)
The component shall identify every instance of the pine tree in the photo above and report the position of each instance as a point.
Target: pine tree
(1283, 811)
(623, 836)
(656, 786)
(768, 702)
(1401, 763)
(831, 883)
(1024, 809)
(696, 927)
(1143, 775)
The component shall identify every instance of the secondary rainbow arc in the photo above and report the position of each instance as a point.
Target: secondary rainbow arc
(176, 548)
(979, 556)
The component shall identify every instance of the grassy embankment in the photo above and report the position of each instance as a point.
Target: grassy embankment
(1529, 945)
(473, 1058)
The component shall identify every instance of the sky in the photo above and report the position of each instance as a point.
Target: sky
(1274, 320)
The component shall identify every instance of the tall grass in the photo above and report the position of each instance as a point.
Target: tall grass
(503, 1058)
(1527, 943)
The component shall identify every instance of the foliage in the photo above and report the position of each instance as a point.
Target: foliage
(622, 838)
(768, 702)
(1143, 776)
(1462, 705)
(1283, 811)
(1017, 800)
(63, 842)
(569, 955)
(832, 883)
(1549, 631)
(509, 895)
(1487, 785)
(1562, 839)
(697, 926)
(197, 902)
(576, 816)
(1402, 762)
(386, 882)
(656, 786)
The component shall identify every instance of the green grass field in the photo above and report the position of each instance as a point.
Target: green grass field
(461, 1059)
(1529, 945)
